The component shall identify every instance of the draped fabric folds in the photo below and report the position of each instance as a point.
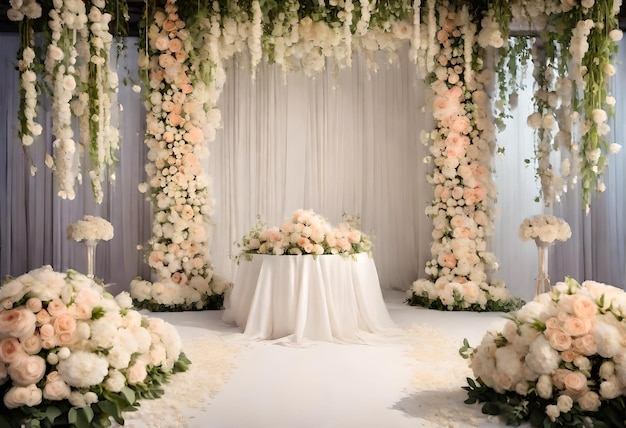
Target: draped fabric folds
(341, 141)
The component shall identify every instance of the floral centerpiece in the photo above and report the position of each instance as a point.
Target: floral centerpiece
(559, 361)
(545, 229)
(306, 232)
(72, 355)
(90, 228)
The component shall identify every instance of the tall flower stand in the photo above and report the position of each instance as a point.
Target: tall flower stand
(90, 245)
(543, 279)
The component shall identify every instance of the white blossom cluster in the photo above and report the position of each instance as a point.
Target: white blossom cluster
(90, 228)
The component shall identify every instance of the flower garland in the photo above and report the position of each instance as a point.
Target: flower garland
(73, 355)
(462, 146)
(76, 72)
(183, 83)
(578, 43)
(559, 361)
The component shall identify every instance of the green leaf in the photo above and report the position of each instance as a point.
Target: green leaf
(52, 413)
(491, 409)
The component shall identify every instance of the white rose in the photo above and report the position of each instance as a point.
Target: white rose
(544, 386)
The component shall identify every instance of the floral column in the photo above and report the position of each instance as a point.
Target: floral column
(183, 80)
(462, 149)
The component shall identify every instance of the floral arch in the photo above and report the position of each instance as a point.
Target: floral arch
(462, 49)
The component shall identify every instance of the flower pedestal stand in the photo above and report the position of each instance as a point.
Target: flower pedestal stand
(543, 279)
(91, 244)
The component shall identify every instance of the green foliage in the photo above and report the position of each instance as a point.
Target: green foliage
(210, 303)
(515, 409)
(511, 304)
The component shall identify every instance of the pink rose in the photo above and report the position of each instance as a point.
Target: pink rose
(10, 349)
(27, 370)
(354, 236)
(17, 323)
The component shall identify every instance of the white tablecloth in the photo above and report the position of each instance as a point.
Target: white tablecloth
(323, 298)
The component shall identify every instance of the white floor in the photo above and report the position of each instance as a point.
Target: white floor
(412, 379)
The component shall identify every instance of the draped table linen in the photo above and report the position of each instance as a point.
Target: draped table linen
(319, 298)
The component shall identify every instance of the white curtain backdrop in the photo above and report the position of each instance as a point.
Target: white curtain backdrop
(344, 141)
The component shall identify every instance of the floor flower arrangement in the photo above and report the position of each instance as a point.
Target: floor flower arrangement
(72, 355)
(559, 361)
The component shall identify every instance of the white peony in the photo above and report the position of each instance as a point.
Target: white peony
(83, 369)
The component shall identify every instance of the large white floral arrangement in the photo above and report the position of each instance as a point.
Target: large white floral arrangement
(544, 229)
(90, 228)
(559, 361)
(306, 232)
(72, 355)
(75, 69)
(182, 85)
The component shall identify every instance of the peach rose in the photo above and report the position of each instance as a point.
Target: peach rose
(169, 25)
(590, 401)
(79, 312)
(575, 326)
(575, 382)
(175, 45)
(586, 345)
(10, 349)
(34, 304)
(17, 323)
(56, 307)
(64, 323)
(162, 43)
(46, 332)
(19, 396)
(447, 260)
(584, 307)
(559, 340)
(174, 119)
(32, 345)
(27, 370)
